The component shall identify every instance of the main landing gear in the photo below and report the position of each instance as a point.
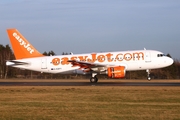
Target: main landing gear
(94, 78)
(148, 74)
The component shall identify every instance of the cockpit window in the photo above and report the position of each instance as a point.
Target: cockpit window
(160, 55)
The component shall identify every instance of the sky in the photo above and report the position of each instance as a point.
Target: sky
(86, 26)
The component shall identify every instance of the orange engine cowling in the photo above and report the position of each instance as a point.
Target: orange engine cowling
(116, 72)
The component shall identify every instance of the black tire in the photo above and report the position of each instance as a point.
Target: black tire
(93, 79)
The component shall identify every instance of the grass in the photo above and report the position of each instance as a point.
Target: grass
(89, 103)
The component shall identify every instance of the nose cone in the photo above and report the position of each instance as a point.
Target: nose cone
(170, 61)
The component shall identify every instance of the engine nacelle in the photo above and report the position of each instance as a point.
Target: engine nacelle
(116, 72)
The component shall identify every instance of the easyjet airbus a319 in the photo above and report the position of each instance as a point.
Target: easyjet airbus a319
(114, 64)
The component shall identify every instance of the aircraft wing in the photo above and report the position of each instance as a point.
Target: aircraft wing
(87, 66)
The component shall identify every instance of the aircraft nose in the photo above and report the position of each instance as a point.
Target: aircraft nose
(170, 61)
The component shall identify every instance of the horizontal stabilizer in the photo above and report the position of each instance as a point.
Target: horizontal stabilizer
(15, 62)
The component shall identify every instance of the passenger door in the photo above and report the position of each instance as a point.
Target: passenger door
(147, 57)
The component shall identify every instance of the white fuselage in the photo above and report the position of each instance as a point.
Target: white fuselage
(132, 60)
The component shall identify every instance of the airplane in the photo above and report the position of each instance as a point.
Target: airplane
(114, 64)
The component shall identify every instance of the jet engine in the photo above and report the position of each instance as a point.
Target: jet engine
(116, 72)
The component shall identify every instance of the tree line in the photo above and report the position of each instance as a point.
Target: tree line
(6, 53)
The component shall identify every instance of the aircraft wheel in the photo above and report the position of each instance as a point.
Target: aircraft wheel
(94, 79)
(149, 78)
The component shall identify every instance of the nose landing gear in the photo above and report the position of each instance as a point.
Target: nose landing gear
(148, 75)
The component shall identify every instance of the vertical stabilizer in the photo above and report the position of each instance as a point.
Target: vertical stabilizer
(21, 47)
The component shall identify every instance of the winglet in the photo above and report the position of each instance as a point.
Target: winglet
(21, 47)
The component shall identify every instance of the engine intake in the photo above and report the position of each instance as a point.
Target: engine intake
(116, 72)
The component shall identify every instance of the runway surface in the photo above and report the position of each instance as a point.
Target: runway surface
(87, 83)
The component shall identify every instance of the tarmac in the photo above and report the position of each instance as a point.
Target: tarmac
(86, 82)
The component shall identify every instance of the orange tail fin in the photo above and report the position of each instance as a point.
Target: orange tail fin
(21, 47)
